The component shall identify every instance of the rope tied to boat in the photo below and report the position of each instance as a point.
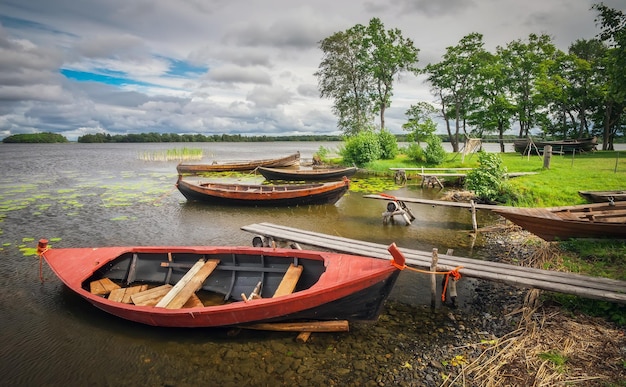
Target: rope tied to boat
(42, 247)
(454, 273)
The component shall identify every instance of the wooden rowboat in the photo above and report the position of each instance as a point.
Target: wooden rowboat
(264, 195)
(306, 174)
(524, 146)
(286, 161)
(603, 196)
(596, 220)
(215, 286)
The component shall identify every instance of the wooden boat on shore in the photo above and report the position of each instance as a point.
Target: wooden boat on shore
(603, 196)
(286, 161)
(580, 145)
(316, 174)
(264, 195)
(596, 220)
(215, 286)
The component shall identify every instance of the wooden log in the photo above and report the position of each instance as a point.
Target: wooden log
(188, 285)
(103, 286)
(152, 296)
(474, 223)
(303, 337)
(307, 326)
(547, 155)
(124, 294)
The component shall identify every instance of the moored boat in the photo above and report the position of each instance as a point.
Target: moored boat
(596, 220)
(315, 174)
(603, 196)
(214, 286)
(580, 145)
(286, 161)
(262, 194)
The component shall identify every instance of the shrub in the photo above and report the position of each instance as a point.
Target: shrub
(416, 153)
(388, 145)
(435, 154)
(488, 181)
(361, 149)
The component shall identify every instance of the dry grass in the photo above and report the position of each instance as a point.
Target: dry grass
(549, 348)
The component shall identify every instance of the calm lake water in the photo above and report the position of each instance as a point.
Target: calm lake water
(80, 195)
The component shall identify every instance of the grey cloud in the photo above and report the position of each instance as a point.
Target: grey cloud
(236, 74)
(267, 97)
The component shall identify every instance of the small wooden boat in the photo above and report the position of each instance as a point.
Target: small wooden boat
(287, 174)
(264, 195)
(603, 196)
(215, 286)
(580, 145)
(286, 161)
(596, 220)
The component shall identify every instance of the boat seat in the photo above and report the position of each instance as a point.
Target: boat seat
(289, 281)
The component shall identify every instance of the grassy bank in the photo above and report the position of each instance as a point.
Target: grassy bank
(557, 186)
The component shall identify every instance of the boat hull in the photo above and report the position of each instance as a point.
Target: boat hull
(264, 195)
(287, 161)
(306, 174)
(333, 286)
(563, 146)
(604, 196)
(560, 223)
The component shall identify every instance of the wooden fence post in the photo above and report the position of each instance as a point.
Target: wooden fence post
(547, 155)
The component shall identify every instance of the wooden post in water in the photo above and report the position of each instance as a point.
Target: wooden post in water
(547, 155)
(474, 223)
(433, 279)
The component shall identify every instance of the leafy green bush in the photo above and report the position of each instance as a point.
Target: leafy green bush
(361, 149)
(435, 154)
(488, 181)
(416, 153)
(388, 145)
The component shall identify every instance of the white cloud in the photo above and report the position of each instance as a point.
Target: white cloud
(254, 60)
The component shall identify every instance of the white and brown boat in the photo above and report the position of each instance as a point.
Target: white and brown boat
(239, 166)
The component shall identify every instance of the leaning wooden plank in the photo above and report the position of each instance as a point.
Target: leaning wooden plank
(188, 285)
(102, 286)
(288, 284)
(308, 326)
(152, 296)
(123, 294)
(193, 302)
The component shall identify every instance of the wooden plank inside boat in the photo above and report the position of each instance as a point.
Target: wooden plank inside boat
(102, 286)
(124, 294)
(188, 285)
(289, 281)
(152, 296)
(193, 302)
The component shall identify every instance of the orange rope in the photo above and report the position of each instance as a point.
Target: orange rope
(454, 273)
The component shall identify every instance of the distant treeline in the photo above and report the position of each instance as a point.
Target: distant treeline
(34, 138)
(173, 137)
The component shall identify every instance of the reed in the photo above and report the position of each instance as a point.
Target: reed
(176, 154)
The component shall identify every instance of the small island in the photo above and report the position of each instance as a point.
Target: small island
(35, 138)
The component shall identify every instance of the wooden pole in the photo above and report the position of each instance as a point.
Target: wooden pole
(547, 155)
(474, 223)
(307, 326)
(433, 279)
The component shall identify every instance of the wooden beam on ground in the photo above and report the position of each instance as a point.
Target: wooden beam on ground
(307, 326)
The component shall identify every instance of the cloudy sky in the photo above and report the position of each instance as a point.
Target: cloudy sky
(226, 66)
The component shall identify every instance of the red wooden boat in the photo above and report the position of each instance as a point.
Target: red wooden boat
(262, 194)
(213, 286)
(596, 220)
(286, 161)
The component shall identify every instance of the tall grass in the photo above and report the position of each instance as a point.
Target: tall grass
(184, 154)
